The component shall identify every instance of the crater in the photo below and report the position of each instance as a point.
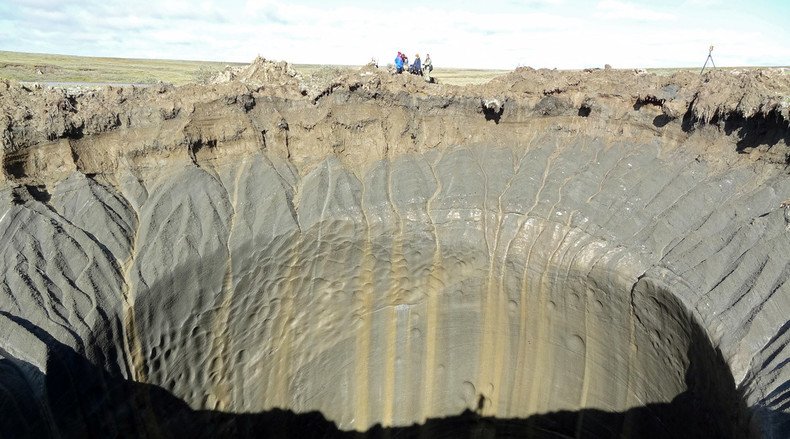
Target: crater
(397, 266)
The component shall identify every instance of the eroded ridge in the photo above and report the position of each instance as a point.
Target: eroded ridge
(384, 252)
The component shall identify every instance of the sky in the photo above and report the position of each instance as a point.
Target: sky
(489, 34)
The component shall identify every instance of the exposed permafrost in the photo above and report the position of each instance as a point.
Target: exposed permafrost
(590, 254)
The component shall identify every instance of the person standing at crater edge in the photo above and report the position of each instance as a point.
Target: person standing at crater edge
(427, 67)
(399, 63)
(416, 67)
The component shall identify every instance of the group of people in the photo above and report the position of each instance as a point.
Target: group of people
(418, 67)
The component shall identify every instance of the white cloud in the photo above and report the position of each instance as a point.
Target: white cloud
(702, 2)
(501, 34)
(620, 10)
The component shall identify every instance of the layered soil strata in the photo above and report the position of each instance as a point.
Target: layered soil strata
(595, 253)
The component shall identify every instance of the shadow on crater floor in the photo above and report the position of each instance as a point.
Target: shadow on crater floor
(82, 400)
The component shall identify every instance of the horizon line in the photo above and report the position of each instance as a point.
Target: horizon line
(241, 63)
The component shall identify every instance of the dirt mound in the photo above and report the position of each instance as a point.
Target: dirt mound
(716, 93)
(751, 107)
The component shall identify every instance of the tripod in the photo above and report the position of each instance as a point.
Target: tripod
(710, 57)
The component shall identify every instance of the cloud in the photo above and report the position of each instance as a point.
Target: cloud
(618, 10)
(539, 3)
(45, 4)
(702, 2)
(498, 34)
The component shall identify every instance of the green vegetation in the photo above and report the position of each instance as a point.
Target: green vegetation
(465, 76)
(64, 68)
(35, 67)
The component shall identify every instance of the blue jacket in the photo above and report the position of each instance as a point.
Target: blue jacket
(398, 62)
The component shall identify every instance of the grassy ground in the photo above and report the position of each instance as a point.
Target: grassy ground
(36, 67)
(465, 76)
(64, 68)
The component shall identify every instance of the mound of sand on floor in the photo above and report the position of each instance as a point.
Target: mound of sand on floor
(596, 253)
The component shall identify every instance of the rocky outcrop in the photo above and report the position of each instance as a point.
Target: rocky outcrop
(587, 253)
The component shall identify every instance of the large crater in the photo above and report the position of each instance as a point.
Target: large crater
(591, 254)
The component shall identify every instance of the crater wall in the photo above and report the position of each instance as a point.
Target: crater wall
(590, 254)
